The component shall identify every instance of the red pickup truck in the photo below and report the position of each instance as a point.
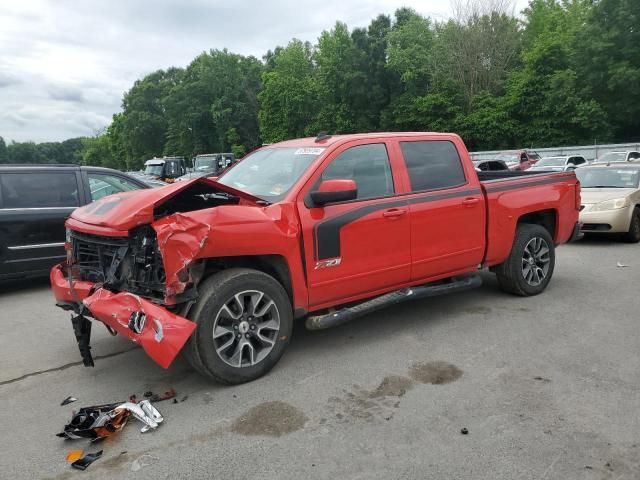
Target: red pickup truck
(325, 228)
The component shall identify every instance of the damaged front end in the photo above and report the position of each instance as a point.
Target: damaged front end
(132, 263)
(121, 282)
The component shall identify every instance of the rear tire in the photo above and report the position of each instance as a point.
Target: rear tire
(529, 267)
(244, 323)
(633, 235)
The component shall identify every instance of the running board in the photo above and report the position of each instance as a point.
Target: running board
(344, 315)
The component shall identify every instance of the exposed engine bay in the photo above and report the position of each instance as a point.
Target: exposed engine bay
(133, 264)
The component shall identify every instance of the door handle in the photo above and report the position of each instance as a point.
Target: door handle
(394, 212)
(470, 202)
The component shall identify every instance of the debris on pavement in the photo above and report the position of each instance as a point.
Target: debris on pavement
(622, 265)
(144, 412)
(155, 397)
(74, 455)
(100, 421)
(68, 400)
(464, 431)
(95, 422)
(87, 460)
(143, 461)
(168, 395)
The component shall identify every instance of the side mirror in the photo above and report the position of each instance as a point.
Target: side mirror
(331, 191)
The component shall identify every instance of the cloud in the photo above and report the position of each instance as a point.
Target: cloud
(8, 79)
(66, 93)
(76, 59)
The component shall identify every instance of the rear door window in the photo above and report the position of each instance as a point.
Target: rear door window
(39, 190)
(102, 185)
(432, 164)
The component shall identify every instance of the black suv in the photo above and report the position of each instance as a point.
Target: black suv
(35, 200)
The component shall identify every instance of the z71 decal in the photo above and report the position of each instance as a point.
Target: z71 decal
(334, 262)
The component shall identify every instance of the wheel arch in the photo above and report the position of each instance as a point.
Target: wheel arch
(275, 266)
(545, 218)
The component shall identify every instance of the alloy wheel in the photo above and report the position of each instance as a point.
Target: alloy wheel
(535, 261)
(246, 328)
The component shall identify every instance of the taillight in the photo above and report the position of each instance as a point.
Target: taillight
(578, 199)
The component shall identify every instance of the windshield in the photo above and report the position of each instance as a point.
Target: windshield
(174, 168)
(205, 164)
(154, 170)
(613, 157)
(271, 172)
(608, 177)
(552, 162)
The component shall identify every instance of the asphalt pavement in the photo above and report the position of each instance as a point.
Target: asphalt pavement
(546, 387)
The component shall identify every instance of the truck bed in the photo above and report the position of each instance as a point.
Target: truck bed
(543, 197)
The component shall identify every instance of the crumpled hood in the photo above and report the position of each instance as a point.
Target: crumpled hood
(123, 211)
(596, 195)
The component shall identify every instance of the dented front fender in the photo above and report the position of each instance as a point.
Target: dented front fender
(180, 239)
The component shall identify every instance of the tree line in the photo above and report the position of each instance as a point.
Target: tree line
(565, 72)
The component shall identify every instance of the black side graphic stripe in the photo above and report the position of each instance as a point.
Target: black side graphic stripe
(326, 234)
(521, 184)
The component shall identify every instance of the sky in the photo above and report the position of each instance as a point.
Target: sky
(65, 64)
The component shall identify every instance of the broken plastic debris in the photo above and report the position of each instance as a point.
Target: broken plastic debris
(622, 265)
(95, 422)
(87, 460)
(74, 455)
(100, 421)
(68, 400)
(144, 412)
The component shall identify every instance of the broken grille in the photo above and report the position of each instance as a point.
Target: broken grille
(97, 258)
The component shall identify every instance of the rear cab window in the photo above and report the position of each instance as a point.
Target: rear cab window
(39, 190)
(432, 164)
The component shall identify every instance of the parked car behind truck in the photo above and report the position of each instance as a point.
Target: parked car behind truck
(325, 228)
(35, 201)
(611, 200)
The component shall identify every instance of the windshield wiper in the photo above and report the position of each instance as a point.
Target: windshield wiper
(603, 186)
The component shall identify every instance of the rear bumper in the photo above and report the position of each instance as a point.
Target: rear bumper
(161, 333)
(577, 232)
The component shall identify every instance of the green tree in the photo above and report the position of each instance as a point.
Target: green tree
(545, 96)
(97, 151)
(144, 124)
(25, 152)
(289, 98)
(4, 154)
(607, 59)
(217, 92)
(342, 85)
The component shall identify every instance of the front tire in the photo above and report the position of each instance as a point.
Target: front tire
(244, 323)
(529, 267)
(633, 235)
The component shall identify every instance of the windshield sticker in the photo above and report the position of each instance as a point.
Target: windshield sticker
(310, 151)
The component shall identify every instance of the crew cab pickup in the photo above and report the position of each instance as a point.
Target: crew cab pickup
(323, 229)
